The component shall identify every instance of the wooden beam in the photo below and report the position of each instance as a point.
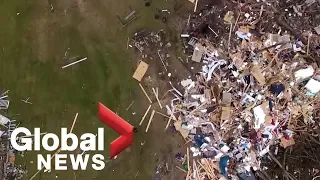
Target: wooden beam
(145, 114)
(162, 114)
(129, 106)
(155, 94)
(74, 122)
(140, 71)
(150, 120)
(145, 93)
(181, 169)
(172, 114)
(195, 6)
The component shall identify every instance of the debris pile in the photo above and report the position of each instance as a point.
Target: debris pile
(257, 92)
(8, 168)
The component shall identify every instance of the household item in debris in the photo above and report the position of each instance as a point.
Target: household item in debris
(4, 104)
(4, 120)
(198, 52)
(223, 163)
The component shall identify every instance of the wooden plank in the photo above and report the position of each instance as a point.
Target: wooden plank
(188, 162)
(83, 59)
(196, 6)
(140, 71)
(156, 95)
(150, 120)
(145, 93)
(172, 114)
(145, 114)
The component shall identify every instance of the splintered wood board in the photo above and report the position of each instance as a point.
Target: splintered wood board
(140, 71)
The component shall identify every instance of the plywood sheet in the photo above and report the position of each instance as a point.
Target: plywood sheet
(140, 71)
(184, 132)
(257, 73)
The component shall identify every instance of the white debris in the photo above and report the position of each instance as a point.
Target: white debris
(186, 82)
(304, 74)
(259, 117)
(210, 68)
(317, 29)
(185, 35)
(313, 86)
(225, 148)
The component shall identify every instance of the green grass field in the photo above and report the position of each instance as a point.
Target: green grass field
(33, 41)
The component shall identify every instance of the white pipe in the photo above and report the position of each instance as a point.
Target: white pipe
(4, 97)
(83, 59)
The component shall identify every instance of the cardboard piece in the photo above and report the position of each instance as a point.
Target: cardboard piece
(213, 117)
(246, 29)
(237, 59)
(226, 98)
(286, 143)
(229, 17)
(198, 52)
(208, 96)
(317, 29)
(216, 91)
(140, 71)
(257, 74)
(178, 127)
(225, 114)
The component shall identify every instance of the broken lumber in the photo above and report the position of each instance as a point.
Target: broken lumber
(83, 59)
(145, 93)
(170, 119)
(145, 114)
(156, 95)
(150, 120)
(58, 151)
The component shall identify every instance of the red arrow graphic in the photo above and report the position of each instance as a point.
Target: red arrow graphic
(120, 126)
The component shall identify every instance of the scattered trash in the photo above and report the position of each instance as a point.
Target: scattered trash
(313, 86)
